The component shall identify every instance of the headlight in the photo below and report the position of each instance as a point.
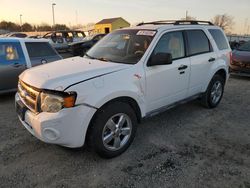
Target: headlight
(53, 103)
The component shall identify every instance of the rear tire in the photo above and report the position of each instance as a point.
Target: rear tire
(213, 95)
(112, 130)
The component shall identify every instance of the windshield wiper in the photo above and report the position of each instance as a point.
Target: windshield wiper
(90, 57)
(103, 59)
(99, 58)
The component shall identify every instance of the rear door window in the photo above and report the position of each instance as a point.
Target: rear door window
(40, 49)
(198, 42)
(10, 52)
(219, 38)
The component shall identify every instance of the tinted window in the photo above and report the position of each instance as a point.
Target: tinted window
(198, 42)
(39, 49)
(171, 43)
(219, 38)
(245, 47)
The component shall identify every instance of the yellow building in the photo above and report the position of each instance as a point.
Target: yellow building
(111, 24)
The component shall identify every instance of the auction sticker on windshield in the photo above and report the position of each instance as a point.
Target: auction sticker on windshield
(146, 33)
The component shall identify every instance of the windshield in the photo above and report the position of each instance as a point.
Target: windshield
(245, 47)
(122, 46)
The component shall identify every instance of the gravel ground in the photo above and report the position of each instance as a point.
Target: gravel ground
(187, 146)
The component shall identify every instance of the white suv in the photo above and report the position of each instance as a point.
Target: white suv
(130, 74)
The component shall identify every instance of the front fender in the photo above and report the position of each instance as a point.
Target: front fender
(120, 94)
(101, 90)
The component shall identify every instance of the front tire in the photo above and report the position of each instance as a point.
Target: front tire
(213, 95)
(113, 129)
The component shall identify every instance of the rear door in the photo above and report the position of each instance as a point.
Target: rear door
(202, 57)
(12, 64)
(222, 44)
(41, 53)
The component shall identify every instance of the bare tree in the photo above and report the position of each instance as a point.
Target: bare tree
(10, 26)
(27, 27)
(43, 27)
(61, 27)
(224, 21)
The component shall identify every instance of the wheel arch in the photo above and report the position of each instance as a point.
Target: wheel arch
(220, 71)
(126, 99)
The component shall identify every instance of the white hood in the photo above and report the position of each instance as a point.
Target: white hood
(60, 74)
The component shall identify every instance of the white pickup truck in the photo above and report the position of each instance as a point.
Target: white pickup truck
(18, 54)
(130, 74)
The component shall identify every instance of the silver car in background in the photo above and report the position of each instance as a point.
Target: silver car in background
(60, 40)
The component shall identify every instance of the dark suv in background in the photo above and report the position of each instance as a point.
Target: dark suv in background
(81, 47)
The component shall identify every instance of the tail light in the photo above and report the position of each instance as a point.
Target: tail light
(231, 57)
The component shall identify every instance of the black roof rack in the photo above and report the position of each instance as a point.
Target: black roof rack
(177, 22)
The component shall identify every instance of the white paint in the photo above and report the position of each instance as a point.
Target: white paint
(151, 87)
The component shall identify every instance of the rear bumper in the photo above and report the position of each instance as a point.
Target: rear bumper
(237, 70)
(68, 127)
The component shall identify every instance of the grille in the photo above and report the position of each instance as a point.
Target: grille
(29, 95)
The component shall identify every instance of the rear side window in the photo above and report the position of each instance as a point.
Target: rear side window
(219, 38)
(39, 49)
(198, 42)
(10, 52)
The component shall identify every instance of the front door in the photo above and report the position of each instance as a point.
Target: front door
(12, 64)
(166, 84)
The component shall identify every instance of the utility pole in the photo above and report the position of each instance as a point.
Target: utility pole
(245, 26)
(53, 14)
(21, 23)
(76, 18)
(186, 14)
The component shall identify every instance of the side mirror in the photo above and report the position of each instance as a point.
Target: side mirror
(160, 59)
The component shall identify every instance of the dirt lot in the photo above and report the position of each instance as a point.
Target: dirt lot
(188, 146)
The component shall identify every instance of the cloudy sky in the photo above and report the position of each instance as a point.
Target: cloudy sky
(71, 12)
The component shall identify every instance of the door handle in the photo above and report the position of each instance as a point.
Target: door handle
(211, 59)
(182, 67)
(16, 65)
